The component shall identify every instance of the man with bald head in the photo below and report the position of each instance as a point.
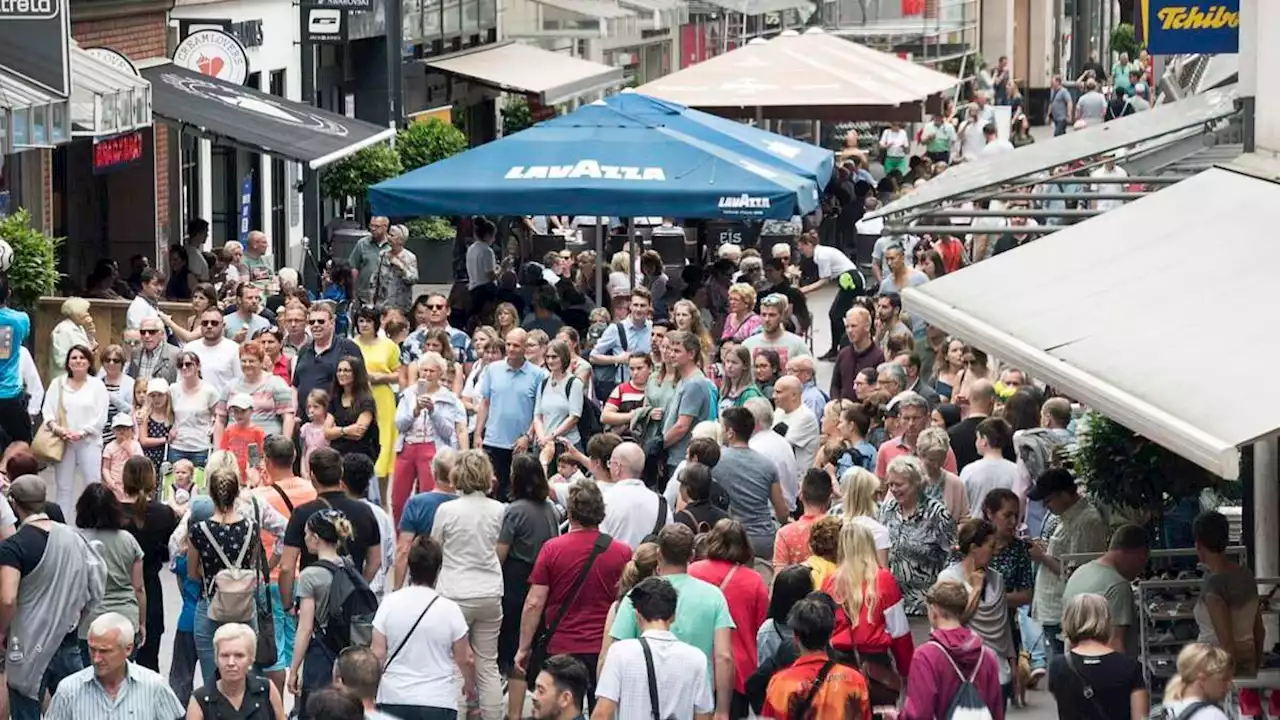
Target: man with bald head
(153, 357)
(964, 434)
(862, 352)
(802, 429)
(803, 370)
(504, 421)
(366, 255)
(632, 512)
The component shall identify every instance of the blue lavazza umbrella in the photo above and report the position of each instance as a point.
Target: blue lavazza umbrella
(802, 158)
(602, 162)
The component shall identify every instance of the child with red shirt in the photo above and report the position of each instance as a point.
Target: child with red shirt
(243, 438)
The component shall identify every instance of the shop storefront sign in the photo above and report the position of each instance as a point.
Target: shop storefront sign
(324, 26)
(1175, 27)
(213, 53)
(357, 5)
(246, 206)
(115, 59)
(35, 42)
(116, 152)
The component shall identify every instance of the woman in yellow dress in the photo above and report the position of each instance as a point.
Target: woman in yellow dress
(382, 359)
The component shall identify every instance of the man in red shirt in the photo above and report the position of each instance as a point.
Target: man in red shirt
(791, 545)
(575, 611)
(913, 418)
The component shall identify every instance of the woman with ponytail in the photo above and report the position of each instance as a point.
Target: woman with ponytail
(1202, 684)
(151, 522)
(326, 536)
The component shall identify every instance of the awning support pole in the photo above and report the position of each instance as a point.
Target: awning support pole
(601, 235)
(631, 261)
(1266, 504)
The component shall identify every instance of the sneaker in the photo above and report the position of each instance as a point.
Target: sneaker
(1036, 675)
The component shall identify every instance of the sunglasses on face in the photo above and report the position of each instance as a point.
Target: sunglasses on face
(316, 322)
(435, 307)
(186, 365)
(148, 331)
(210, 323)
(113, 361)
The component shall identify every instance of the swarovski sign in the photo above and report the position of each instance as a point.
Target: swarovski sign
(585, 169)
(35, 43)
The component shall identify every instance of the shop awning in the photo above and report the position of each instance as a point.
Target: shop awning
(516, 67)
(1111, 312)
(807, 77)
(761, 7)
(106, 100)
(264, 123)
(589, 8)
(30, 117)
(995, 170)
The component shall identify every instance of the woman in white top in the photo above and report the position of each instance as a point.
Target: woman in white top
(419, 637)
(1202, 684)
(489, 349)
(861, 488)
(195, 405)
(77, 400)
(471, 575)
(896, 145)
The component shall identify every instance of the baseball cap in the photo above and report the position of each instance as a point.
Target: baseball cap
(241, 401)
(29, 490)
(157, 385)
(122, 420)
(1051, 481)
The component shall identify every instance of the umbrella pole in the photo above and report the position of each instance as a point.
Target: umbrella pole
(600, 245)
(631, 238)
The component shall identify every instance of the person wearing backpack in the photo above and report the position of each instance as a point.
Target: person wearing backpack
(1202, 685)
(816, 686)
(328, 615)
(952, 675)
(613, 350)
(559, 406)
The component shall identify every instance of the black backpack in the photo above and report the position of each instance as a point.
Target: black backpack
(348, 617)
(589, 424)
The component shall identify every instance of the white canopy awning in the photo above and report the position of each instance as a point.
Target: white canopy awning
(1120, 313)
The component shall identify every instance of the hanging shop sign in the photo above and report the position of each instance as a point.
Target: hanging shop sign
(1176, 27)
(35, 42)
(113, 153)
(115, 59)
(324, 25)
(214, 53)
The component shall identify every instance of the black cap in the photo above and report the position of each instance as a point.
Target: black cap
(1051, 481)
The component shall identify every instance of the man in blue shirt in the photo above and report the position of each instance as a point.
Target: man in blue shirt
(614, 349)
(508, 391)
(15, 424)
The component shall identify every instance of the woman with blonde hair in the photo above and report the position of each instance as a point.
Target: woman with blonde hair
(941, 484)
(76, 328)
(489, 349)
(643, 564)
(739, 383)
(742, 321)
(535, 348)
(948, 370)
(861, 491)
(236, 645)
(1202, 684)
(505, 319)
(1094, 681)
(871, 621)
(685, 316)
(471, 574)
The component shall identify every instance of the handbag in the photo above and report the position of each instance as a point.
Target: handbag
(46, 446)
(538, 649)
(268, 653)
(236, 588)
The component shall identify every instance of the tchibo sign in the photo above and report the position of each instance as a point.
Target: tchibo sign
(585, 169)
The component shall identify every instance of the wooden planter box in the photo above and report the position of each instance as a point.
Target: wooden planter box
(108, 320)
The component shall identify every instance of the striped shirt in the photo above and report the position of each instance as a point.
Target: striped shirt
(143, 695)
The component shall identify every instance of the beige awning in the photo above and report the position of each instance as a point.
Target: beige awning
(812, 76)
(516, 67)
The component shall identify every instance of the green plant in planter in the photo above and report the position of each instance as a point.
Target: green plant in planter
(1134, 474)
(422, 143)
(1125, 40)
(352, 176)
(34, 271)
(432, 228)
(516, 115)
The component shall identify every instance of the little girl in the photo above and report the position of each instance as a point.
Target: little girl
(156, 421)
(140, 402)
(117, 452)
(313, 432)
(178, 494)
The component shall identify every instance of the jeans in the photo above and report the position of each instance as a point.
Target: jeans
(199, 458)
(65, 662)
(1059, 127)
(1053, 641)
(205, 628)
(484, 622)
(1032, 639)
(286, 627)
(317, 672)
(419, 712)
(182, 670)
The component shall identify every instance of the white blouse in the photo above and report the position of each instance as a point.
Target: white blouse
(85, 409)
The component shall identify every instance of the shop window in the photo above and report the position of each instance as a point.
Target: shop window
(279, 185)
(190, 159)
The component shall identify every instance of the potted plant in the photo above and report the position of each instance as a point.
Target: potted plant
(516, 115)
(33, 273)
(349, 179)
(431, 239)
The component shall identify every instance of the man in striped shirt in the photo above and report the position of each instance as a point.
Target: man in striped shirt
(114, 687)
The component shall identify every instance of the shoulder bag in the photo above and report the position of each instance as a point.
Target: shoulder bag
(655, 708)
(412, 630)
(46, 446)
(268, 653)
(541, 641)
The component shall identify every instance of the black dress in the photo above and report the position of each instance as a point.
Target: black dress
(344, 416)
(152, 534)
(256, 704)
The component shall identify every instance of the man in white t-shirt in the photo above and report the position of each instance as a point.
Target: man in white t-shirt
(995, 145)
(143, 305)
(770, 444)
(1108, 171)
(803, 431)
(632, 511)
(219, 356)
(773, 310)
(833, 267)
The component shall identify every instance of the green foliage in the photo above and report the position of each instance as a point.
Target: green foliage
(354, 175)
(516, 115)
(34, 271)
(422, 143)
(1125, 40)
(432, 228)
(1125, 470)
